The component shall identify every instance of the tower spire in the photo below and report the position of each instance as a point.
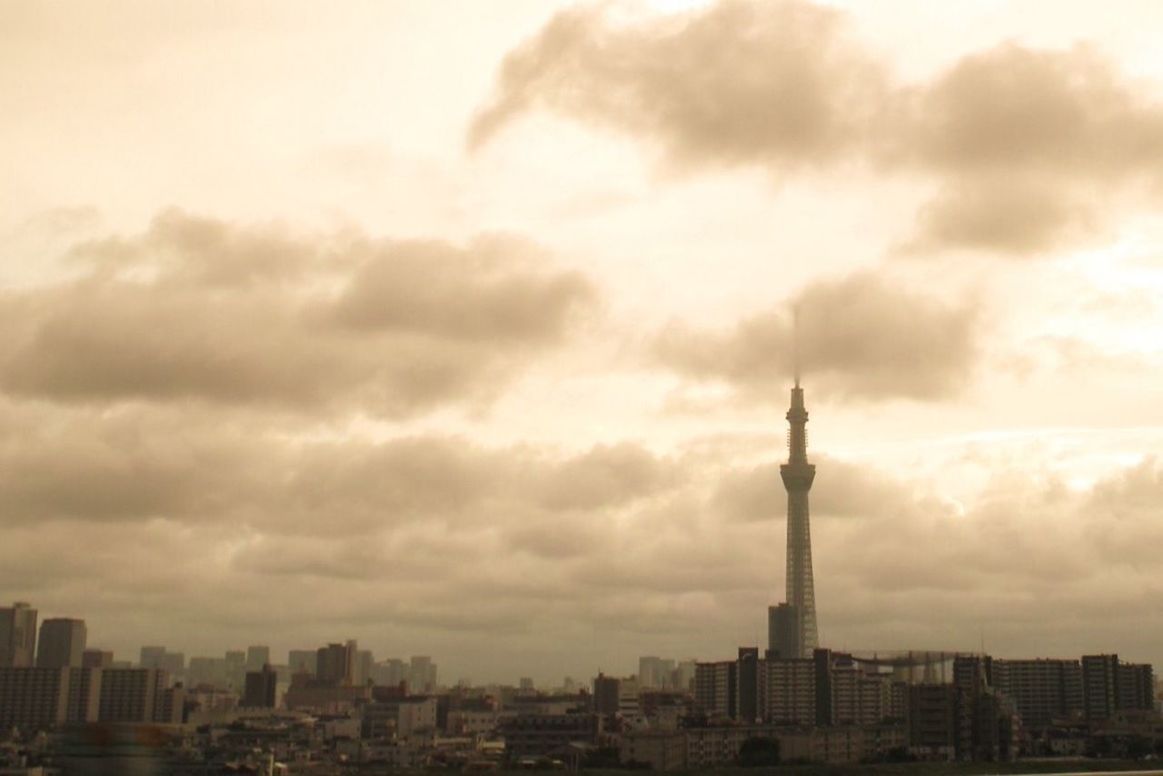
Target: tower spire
(795, 344)
(797, 475)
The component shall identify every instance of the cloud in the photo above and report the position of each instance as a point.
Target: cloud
(412, 543)
(842, 490)
(859, 336)
(1027, 147)
(199, 309)
(738, 83)
(1029, 144)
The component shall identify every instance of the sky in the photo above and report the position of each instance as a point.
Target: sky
(465, 329)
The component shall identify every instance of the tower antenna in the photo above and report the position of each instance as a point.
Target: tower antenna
(795, 344)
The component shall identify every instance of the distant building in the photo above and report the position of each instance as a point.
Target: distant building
(96, 658)
(33, 699)
(422, 677)
(364, 667)
(607, 690)
(790, 691)
(261, 688)
(257, 657)
(162, 659)
(1043, 690)
(932, 721)
(715, 688)
(1109, 686)
(783, 631)
(17, 636)
(747, 707)
(131, 694)
(303, 661)
(335, 664)
(390, 673)
(540, 735)
(62, 643)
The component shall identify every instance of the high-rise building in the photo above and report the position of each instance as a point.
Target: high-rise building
(17, 636)
(33, 698)
(1109, 685)
(747, 708)
(1043, 690)
(131, 694)
(783, 631)
(335, 664)
(606, 692)
(790, 691)
(716, 685)
(797, 475)
(257, 657)
(302, 661)
(423, 674)
(62, 643)
(261, 687)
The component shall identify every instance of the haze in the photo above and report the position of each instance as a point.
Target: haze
(464, 329)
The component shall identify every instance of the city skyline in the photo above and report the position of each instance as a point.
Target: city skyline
(467, 333)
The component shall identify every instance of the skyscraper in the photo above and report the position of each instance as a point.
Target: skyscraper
(62, 643)
(797, 476)
(17, 636)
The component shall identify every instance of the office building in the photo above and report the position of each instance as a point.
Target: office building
(716, 685)
(335, 664)
(261, 688)
(422, 676)
(132, 694)
(783, 631)
(33, 699)
(302, 661)
(62, 643)
(607, 691)
(1043, 691)
(17, 636)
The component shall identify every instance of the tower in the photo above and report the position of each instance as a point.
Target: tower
(797, 476)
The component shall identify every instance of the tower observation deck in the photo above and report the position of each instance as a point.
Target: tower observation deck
(797, 476)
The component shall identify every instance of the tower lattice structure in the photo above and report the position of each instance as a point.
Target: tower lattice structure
(797, 476)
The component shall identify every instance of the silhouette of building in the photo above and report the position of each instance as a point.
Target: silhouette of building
(335, 664)
(794, 627)
(1109, 685)
(716, 685)
(17, 636)
(62, 643)
(303, 661)
(1043, 690)
(747, 708)
(607, 690)
(422, 674)
(261, 687)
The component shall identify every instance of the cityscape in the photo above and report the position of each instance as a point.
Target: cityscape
(740, 386)
(336, 708)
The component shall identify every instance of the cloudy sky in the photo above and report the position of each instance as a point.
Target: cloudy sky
(463, 328)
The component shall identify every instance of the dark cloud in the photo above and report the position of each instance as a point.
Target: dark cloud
(1030, 144)
(739, 83)
(1028, 147)
(861, 337)
(198, 309)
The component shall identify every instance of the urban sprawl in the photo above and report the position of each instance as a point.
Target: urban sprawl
(335, 709)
